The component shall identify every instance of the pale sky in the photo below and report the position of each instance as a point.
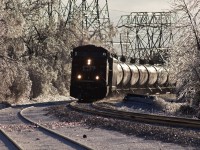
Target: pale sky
(123, 7)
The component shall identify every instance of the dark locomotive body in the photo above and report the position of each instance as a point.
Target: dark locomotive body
(96, 74)
(89, 73)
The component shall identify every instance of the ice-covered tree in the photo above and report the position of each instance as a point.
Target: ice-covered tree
(35, 46)
(15, 84)
(185, 55)
(35, 50)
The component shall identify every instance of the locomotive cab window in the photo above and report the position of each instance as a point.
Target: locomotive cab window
(93, 54)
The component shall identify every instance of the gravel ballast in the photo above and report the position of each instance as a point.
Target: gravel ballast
(186, 138)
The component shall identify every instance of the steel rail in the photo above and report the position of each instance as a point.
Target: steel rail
(167, 120)
(14, 143)
(22, 114)
(150, 118)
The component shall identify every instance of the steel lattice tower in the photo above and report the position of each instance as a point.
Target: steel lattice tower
(90, 19)
(146, 36)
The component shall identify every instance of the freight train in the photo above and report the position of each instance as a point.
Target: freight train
(96, 73)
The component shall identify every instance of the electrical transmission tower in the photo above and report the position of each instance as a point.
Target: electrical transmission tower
(91, 20)
(146, 36)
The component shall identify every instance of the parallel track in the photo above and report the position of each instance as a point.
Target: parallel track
(109, 112)
(53, 133)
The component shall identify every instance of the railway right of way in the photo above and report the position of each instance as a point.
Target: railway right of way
(19, 131)
(99, 109)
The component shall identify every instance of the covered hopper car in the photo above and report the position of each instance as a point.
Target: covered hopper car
(95, 74)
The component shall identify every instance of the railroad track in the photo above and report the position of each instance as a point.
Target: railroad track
(60, 137)
(18, 130)
(8, 141)
(98, 109)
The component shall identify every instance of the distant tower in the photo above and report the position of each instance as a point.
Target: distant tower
(146, 36)
(90, 19)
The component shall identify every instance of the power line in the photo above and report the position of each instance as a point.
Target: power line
(119, 10)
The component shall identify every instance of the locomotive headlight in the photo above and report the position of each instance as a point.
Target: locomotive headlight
(89, 61)
(97, 77)
(79, 76)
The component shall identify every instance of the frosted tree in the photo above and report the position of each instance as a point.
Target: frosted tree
(185, 56)
(48, 47)
(35, 46)
(34, 51)
(15, 84)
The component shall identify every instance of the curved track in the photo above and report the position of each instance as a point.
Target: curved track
(97, 108)
(55, 135)
(19, 131)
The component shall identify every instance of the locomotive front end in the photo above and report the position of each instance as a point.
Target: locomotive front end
(89, 73)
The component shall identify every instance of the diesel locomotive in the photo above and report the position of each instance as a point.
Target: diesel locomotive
(96, 73)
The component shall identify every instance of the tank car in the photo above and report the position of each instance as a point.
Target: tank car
(96, 73)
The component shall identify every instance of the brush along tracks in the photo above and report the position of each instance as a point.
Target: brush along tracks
(98, 108)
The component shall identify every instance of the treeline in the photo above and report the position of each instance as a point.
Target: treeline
(35, 47)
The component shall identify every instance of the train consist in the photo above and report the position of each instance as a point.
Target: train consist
(96, 73)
